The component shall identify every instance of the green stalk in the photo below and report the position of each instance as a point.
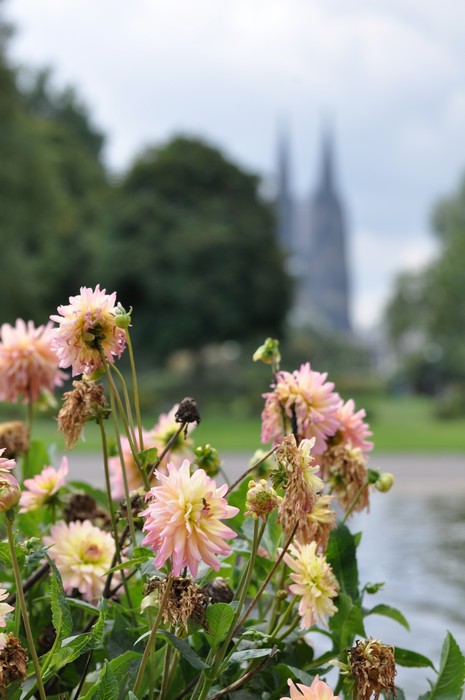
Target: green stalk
(153, 634)
(355, 500)
(242, 590)
(127, 403)
(120, 449)
(22, 604)
(135, 389)
(284, 617)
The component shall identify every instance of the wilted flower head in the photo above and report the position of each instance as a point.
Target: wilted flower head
(302, 402)
(83, 553)
(14, 438)
(262, 499)
(318, 690)
(28, 365)
(186, 601)
(42, 487)
(347, 473)
(84, 403)
(86, 326)
(5, 608)
(13, 661)
(183, 519)
(301, 486)
(373, 668)
(314, 581)
(321, 521)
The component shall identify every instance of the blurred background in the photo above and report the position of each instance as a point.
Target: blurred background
(241, 170)
(237, 170)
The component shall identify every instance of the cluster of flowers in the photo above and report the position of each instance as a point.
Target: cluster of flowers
(184, 511)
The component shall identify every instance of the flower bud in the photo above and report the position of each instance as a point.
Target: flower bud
(268, 353)
(122, 317)
(9, 492)
(385, 482)
(261, 499)
(208, 459)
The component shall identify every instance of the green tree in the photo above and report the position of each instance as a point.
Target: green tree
(426, 315)
(195, 252)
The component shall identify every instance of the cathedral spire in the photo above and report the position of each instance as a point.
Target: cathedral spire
(327, 184)
(284, 204)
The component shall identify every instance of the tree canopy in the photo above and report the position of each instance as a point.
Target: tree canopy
(204, 263)
(426, 315)
(184, 236)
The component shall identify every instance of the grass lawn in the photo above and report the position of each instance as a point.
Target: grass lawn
(398, 424)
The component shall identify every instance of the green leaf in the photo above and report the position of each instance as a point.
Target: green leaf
(73, 647)
(341, 554)
(451, 675)
(240, 656)
(128, 563)
(184, 649)
(148, 457)
(410, 659)
(61, 614)
(37, 457)
(131, 696)
(300, 675)
(107, 685)
(219, 620)
(346, 623)
(387, 611)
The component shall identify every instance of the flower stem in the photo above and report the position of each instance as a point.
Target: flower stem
(153, 634)
(250, 469)
(355, 500)
(135, 389)
(22, 605)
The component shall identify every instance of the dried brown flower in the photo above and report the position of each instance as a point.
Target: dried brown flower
(84, 403)
(373, 668)
(13, 662)
(186, 601)
(188, 412)
(14, 438)
(81, 506)
(301, 488)
(218, 590)
(347, 473)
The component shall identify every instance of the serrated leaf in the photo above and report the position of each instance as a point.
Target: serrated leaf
(219, 620)
(346, 623)
(388, 611)
(107, 686)
(341, 554)
(410, 659)
(240, 656)
(184, 649)
(61, 614)
(451, 675)
(301, 676)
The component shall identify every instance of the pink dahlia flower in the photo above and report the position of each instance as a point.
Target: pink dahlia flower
(40, 489)
(4, 607)
(352, 427)
(183, 519)
(88, 322)
(83, 553)
(6, 465)
(158, 437)
(307, 395)
(28, 365)
(319, 690)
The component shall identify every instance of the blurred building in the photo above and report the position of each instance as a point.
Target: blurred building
(313, 232)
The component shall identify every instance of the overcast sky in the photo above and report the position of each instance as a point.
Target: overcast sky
(389, 73)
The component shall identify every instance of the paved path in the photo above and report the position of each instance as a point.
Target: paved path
(440, 474)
